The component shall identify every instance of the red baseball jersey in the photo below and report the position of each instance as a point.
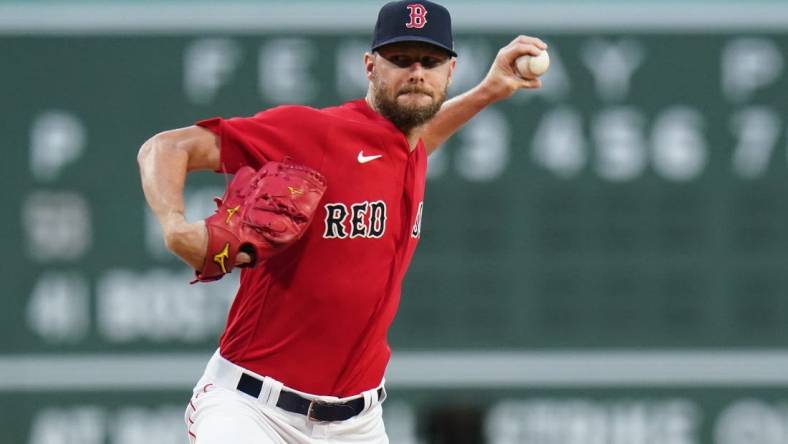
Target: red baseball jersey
(315, 316)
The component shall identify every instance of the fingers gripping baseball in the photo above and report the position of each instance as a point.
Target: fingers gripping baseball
(504, 78)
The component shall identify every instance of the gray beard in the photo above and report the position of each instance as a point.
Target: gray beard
(406, 118)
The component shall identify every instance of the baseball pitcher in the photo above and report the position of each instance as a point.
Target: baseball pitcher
(323, 216)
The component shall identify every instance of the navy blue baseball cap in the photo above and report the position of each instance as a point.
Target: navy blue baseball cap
(414, 21)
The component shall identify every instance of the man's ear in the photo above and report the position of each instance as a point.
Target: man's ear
(369, 65)
(451, 70)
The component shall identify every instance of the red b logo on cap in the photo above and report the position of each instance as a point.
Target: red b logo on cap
(418, 16)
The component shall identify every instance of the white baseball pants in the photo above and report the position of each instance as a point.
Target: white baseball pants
(220, 414)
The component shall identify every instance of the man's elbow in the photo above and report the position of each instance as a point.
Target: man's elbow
(157, 142)
(144, 152)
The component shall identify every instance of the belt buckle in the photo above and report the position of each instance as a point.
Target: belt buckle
(310, 410)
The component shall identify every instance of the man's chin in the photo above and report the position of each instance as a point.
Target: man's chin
(415, 102)
(408, 111)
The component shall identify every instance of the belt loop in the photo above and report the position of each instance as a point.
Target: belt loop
(272, 388)
(369, 399)
(265, 391)
(380, 392)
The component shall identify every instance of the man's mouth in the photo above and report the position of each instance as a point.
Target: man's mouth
(415, 91)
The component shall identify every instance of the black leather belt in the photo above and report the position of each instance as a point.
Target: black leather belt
(314, 410)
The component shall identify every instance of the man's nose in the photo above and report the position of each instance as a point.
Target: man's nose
(416, 71)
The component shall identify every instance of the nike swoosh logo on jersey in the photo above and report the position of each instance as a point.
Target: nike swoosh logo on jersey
(364, 159)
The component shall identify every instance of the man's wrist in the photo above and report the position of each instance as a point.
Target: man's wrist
(171, 221)
(173, 228)
(486, 94)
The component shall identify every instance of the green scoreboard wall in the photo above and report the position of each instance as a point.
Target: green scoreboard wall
(625, 220)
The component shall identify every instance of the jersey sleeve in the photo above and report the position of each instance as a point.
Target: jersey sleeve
(285, 131)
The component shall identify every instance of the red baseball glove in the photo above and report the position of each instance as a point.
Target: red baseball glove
(261, 214)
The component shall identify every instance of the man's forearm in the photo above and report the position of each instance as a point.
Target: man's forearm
(454, 114)
(163, 169)
(163, 172)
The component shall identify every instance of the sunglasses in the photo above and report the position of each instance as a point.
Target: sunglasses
(406, 61)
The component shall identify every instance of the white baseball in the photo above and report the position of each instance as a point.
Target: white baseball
(531, 67)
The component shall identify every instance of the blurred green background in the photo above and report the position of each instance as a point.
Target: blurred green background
(603, 261)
